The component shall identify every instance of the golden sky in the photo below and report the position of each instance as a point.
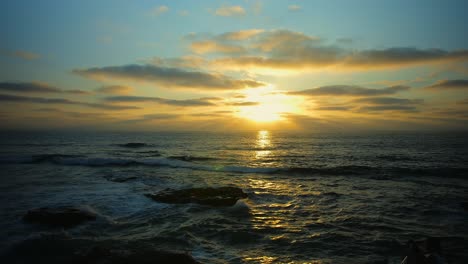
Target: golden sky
(207, 65)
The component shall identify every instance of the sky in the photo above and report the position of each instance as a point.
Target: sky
(234, 65)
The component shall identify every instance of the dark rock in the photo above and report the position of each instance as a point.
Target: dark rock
(121, 179)
(465, 205)
(133, 145)
(53, 249)
(190, 158)
(222, 196)
(61, 216)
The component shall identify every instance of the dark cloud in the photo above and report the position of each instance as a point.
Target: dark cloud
(389, 101)
(378, 104)
(206, 101)
(151, 117)
(34, 87)
(243, 103)
(459, 84)
(403, 56)
(28, 87)
(40, 100)
(169, 77)
(333, 108)
(71, 113)
(350, 90)
(379, 108)
(114, 89)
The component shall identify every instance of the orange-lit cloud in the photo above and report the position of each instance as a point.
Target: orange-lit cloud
(208, 46)
(296, 51)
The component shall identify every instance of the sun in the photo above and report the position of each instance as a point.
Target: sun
(269, 105)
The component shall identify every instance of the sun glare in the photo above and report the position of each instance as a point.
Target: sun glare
(271, 105)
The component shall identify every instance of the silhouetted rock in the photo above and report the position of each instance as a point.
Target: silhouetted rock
(53, 249)
(191, 158)
(222, 196)
(465, 205)
(121, 179)
(61, 216)
(133, 145)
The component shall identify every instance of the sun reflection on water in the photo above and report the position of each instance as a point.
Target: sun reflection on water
(262, 144)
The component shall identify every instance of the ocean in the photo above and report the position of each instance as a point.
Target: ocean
(312, 198)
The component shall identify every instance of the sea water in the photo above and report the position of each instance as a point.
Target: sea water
(312, 198)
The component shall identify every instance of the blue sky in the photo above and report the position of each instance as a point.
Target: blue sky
(348, 43)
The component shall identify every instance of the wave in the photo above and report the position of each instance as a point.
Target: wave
(186, 163)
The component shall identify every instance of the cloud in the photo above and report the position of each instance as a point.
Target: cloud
(240, 35)
(243, 103)
(151, 117)
(230, 11)
(402, 56)
(350, 90)
(333, 108)
(71, 113)
(168, 77)
(294, 8)
(206, 101)
(28, 87)
(40, 100)
(293, 51)
(159, 10)
(115, 89)
(389, 101)
(202, 47)
(459, 84)
(378, 104)
(34, 87)
(25, 55)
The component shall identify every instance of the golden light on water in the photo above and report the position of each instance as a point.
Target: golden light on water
(263, 141)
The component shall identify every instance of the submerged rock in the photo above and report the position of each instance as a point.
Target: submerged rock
(133, 145)
(222, 196)
(61, 216)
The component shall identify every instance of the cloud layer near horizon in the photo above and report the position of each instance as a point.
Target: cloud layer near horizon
(167, 77)
(290, 50)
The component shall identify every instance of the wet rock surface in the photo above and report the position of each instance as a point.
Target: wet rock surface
(222, 196)
(60, 216)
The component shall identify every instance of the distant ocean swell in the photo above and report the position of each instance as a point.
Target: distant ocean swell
(187, 163)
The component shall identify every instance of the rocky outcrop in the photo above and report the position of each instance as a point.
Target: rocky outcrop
(61, 216)
(133, 145)
(222, 196)
(56, 249)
